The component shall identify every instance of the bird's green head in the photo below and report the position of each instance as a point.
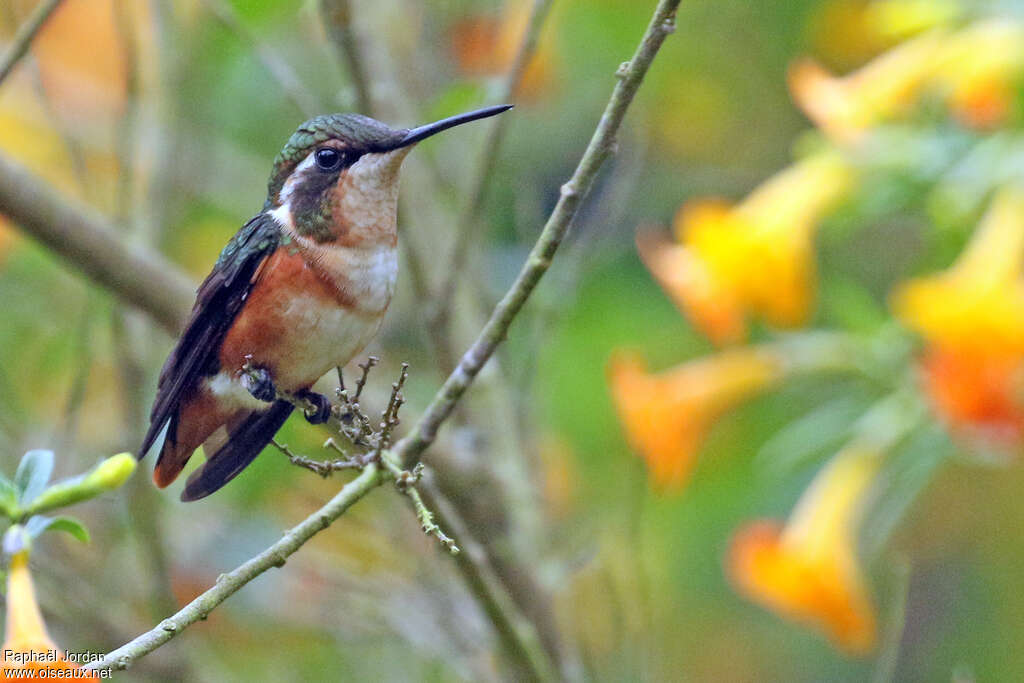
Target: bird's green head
(337, 176)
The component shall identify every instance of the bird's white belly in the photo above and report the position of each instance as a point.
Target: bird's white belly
(318, 336)
(321, 336)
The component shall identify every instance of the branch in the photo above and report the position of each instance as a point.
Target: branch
(410, 449)
(518, 634)
(372, 442)
(488, 157)
(230, 583)
(25, 35)
(90, 243)
(337, 16)
(279, 69)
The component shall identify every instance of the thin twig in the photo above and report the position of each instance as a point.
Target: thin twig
(285, 76)
(375, 443)
(405, 482)
(131, 332)
(464, 231)
(361, 382)
(139, 276)
(517, 633)
(324, 468)
(25, 35)
(230, 583)
(630, 74)
(337, 17)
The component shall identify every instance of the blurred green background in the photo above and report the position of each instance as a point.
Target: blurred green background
(162, 116)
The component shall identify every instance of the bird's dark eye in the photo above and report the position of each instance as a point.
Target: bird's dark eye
(328, 159)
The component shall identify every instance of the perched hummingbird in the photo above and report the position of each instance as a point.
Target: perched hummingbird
(299, 290)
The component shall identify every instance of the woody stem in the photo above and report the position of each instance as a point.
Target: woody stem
(410, 449)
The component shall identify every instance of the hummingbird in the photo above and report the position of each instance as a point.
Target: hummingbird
(300, 289)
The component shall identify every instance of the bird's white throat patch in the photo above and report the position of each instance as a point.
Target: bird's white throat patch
(368, 201)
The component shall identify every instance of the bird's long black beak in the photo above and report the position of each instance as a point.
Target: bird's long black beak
(423, 132)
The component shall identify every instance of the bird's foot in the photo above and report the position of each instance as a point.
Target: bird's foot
(322, 407)
(258, 382)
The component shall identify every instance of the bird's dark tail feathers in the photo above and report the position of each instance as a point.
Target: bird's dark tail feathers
(244, 443)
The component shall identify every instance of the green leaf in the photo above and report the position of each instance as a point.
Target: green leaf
(911, 468)
(8, 498)
(809, 436)
(38, 524)
(34, 471)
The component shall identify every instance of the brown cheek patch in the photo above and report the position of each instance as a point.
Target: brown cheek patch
(344, 236)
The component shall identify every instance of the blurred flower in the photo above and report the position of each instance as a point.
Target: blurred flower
(903, 18)
(27, 646)
(486, 46)
(842, 32)
(977, 305)
(558, 476)
(8, 239)
(807, 570)
(845, 107)
(753, 258)
(980, 70)
(972, 319)
(667, 415)
(56, 109)
(980, 396)
(974, 70)
(81, 59)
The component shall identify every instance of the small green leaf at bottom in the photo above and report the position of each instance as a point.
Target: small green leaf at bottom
(33, 473)
(39, 523)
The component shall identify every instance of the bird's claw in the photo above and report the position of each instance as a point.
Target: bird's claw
(322, 411)
(258, 382)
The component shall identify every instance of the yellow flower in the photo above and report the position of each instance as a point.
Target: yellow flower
(979, 70)
(807, 570)
(845, 107)
(975, 70)
(972, 319)
(756, 257)
(842, 32)
(902, 18)
(977, 305)
(666, 415)
(27, 646)
(979, 396)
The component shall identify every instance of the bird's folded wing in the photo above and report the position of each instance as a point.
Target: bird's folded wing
(218, 302)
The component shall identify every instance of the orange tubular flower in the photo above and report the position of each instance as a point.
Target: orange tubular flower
(975, 70)
(666, 415)
(977, 305)
(972, 318)
(27, 646)
(753, 258)
(979, 71)
(807, 570)
(980, 397)
(488, 46)
(844, 108)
